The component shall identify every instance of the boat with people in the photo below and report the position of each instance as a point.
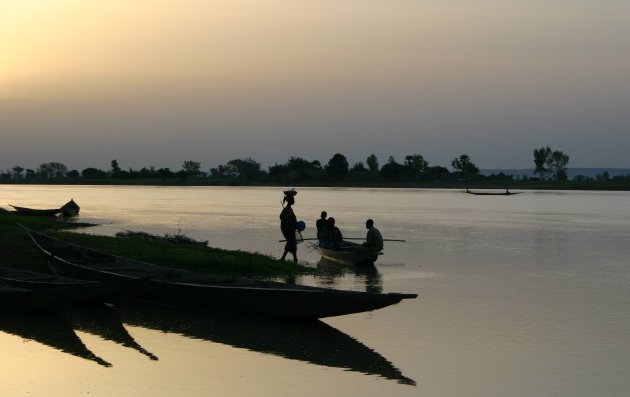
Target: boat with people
(350, 252)
(179, 287)
(505, 193)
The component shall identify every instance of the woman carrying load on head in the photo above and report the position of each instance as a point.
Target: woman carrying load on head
(288, 221)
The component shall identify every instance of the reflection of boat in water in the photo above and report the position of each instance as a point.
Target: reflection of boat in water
(367, 273)
(49, 329)
(191, 289)
(313, 342)
(350, 252)
(103, 321)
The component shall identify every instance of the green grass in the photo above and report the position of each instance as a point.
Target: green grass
(16, 250)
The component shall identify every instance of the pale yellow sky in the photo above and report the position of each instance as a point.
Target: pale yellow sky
(477, 70)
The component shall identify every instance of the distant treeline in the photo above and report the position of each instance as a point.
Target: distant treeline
(548, 165)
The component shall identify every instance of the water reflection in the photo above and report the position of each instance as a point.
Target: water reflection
(50, 329)
(104, 321)
(313, 342)
(367, 274)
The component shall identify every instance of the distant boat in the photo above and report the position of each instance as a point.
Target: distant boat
(350, 252)
(505, 193)
(181, 287)
(68, 209)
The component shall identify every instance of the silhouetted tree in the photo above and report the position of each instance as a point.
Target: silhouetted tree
(337, 165)
(165, 173)
(551, 161)
(415, 164)
(246, 168)
(436, 172)
(225, 171)
(182, 174)
(191, 168)
(296, 167)
(464, 165)
(17, 172)
(73, 174)
(393, 169)
(93, 173)
(358, 168)
(558, 163)
(372, 163)
(30, 174)
(52, 170)
(541, 158)
(115, 168)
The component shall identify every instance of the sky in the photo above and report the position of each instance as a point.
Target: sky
(160, 82)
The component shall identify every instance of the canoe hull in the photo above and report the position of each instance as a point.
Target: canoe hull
(190, 289)
(351, 253)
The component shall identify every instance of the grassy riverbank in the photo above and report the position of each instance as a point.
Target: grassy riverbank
(16, 250)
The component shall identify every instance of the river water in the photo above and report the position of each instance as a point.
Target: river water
(518, 296)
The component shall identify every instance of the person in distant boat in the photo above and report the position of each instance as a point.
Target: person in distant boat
(288, 221)
(321, 225)
(374, 239)
(331, 235)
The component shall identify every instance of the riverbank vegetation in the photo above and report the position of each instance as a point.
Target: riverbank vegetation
(18, 251)
(549, 171)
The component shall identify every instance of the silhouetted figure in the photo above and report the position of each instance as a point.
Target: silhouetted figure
(374, 239)
(331, 235)
(288, 221)
(321, 225)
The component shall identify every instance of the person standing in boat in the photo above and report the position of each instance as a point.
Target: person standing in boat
(320, 224)
(288, 221)
(374, 239)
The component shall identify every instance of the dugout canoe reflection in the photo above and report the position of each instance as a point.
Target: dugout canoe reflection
(312, 342)
(50, 329)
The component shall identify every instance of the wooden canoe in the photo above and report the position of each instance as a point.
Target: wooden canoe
(26, 299)
(351, 253)
(492, 193)
(180, 287)
(35, 212)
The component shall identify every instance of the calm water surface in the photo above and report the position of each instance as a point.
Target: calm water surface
(519, 296)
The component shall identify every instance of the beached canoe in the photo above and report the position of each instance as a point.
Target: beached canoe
(197, 290)
(70, 209)
(35, 212)
(36, 280)
(67, 210)
(27, 299)
(351, 253)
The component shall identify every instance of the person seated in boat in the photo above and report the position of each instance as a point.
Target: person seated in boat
(331, 235)
(373, 239)
(320, 224)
